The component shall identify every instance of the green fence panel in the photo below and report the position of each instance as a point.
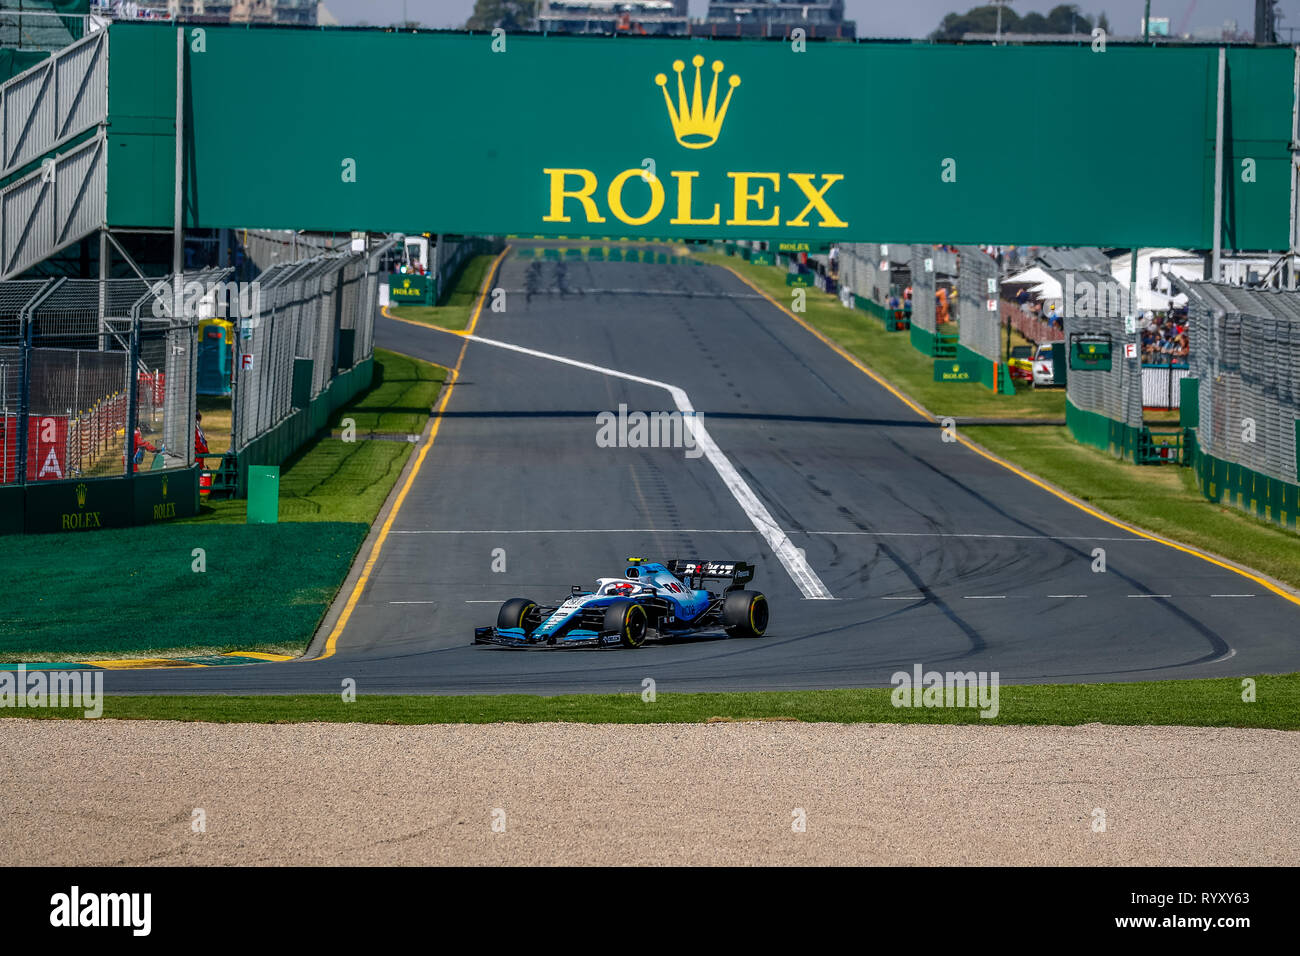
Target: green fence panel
(263, 494)
(1290, 497)
(922, 341)
(302, 374)
(1189, 403)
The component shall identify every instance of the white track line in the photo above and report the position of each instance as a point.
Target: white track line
(1150, 595)
(1232, 595)
(953, 534)
(1067, 595)
(804, 577)
(595, 531)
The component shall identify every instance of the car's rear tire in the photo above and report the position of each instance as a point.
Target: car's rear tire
(745, 614)
(629, 620)
(515, 613)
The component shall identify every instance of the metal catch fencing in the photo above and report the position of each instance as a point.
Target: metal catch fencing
(1117, 393)
(94, 380)
(923, 286)
(860, 272)
(313, 319)
(977, 303)
(1245, 355)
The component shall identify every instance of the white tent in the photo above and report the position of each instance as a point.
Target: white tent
(1040, 283)
(1154, 263)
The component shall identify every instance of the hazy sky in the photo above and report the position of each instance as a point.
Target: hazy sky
(911, 18)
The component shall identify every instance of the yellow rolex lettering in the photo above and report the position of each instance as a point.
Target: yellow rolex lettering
(816, 199)
(616, 197)
(582, 194)
(743, 197)
(684, 218)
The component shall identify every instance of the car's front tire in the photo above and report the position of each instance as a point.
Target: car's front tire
(745, 614)
(629, 620)
(515, 613)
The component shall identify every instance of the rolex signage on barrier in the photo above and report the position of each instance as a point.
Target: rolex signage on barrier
(411, 289)
(953, 371)
(81, 518)
(794, 247)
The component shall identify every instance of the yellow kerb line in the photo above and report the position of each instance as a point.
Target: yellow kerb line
(331, 644)
(844, 353)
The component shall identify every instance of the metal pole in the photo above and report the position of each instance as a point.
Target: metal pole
(1133, 309)
(178, 211)
(132, 395)
(1295, 158)
(1218, 169)
(103, 286)
(1146, 24)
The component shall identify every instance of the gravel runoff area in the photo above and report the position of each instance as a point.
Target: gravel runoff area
(125, 792)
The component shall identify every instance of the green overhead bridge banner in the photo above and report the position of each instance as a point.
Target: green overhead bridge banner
(355, 129)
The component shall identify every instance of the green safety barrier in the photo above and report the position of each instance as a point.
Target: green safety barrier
(12, 508)
(162, 496)
(88, 504)
(1219, 481)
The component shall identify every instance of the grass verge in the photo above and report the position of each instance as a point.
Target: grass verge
(1192, 703)
(134, 591)
(458, 305)
(1161, 499)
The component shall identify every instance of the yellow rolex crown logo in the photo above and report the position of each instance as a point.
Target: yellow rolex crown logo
(695, 124)
(164, 486)
(406, 283)
(81, 496)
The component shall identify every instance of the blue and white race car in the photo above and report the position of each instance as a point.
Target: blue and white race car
(669, 600)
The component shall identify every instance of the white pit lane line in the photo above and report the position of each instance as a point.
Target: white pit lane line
(792, 558)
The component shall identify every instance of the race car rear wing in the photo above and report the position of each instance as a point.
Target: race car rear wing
(738, 572)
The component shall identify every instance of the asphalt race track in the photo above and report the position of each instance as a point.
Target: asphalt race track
(931, 553)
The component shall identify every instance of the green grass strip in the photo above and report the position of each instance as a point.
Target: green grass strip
(136, 591)
(1193, 703)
